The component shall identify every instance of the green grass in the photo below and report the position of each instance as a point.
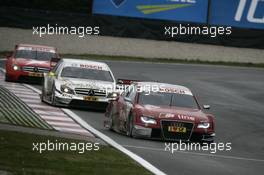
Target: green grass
(154, 60)
(16, 156)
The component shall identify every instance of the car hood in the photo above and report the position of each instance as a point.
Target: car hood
(31, 62)
(167, 112)
(85, 83)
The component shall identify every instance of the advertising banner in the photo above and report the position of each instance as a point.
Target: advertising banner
(238, 13)
(194, 11)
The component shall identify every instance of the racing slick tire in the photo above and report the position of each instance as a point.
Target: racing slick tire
(7, 79)
(53, 98)
(42, 95)
(130, 129)
(111, 123)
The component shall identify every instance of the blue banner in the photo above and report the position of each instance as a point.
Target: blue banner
(176, 10)
(238, 13)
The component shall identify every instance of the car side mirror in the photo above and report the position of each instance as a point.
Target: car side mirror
(52, 74)
(206, 106)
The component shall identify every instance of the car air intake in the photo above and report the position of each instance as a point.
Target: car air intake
(90, 92)
(35, 69)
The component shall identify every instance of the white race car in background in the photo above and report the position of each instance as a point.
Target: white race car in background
(78, 83)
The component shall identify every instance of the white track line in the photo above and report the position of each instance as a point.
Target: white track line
(17, 92)
(41, 107)
(27, 100)
(3, 70)
(27, 96)
(199, 154)
(41, 112)
(71, 124)
(107, 139)
(17, 87)
(70, 129)
(74, 130)
(63, 119)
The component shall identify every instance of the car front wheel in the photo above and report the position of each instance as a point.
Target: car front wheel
(53, 98)
(7, 79)
(42, 95)
(130, 125)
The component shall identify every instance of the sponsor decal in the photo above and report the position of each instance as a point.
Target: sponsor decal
(36, 49)
(151, 9)
(185, 117)
(90, 66)
(179, 116)
(166, 115)
(174, 90)
(118, 3)
(67, 95)
(250, 12)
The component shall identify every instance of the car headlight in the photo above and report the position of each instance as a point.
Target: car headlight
(148, 120)
(203, 125)
(16, 67)
(66, 89)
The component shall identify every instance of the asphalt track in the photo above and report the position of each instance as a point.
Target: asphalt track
(236, 96)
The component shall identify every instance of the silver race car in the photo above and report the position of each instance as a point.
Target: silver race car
(78, 83)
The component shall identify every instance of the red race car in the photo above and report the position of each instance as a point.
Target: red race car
(159, 111)
(29, 62)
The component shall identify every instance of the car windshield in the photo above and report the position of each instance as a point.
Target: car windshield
(34, 54)
(168, 99)
(84, 73)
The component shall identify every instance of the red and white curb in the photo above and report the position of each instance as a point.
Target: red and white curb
(52, 115)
